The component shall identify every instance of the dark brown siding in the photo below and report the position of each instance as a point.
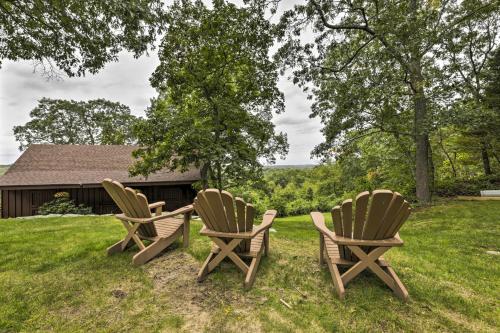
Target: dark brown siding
(26, 202)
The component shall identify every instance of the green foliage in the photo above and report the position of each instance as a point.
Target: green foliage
(393, 68)
(453, 187)
(492, 78)
(372, 162)
(63, 205)
(77, 36)
(218, 91)
(93, 122)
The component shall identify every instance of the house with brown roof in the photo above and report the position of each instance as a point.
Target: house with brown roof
(43, 170)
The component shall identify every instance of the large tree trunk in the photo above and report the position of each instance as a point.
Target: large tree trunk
(422, 144)
(486, 159)
(432, 168)
(421, 137)
(204, 175)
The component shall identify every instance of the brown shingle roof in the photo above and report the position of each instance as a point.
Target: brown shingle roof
(82, 165)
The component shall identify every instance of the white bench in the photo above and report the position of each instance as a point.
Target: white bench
(490, 193)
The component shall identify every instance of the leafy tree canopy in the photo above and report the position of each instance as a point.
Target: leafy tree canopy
(378, 66)
(60, 121)
(217, 94)
(77, 36)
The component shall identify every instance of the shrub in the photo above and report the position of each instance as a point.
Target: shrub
(63, 205)
(451, 187)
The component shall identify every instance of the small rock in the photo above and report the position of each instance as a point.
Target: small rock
(495, 253)
(119, 293)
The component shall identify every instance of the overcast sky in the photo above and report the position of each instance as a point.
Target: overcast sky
(127, 82)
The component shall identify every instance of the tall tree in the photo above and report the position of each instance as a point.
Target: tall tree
(94, 122)
(466, 52)
(218, 91)
(388, 46)
(492, 93)
(77, 36)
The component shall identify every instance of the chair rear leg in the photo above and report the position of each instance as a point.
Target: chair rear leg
(185, 231)
(337, 280)
(321, 250)
(266, 242)
(400, 289)
(117, 247)
(153, 250)
(252, 271)
(203, 273)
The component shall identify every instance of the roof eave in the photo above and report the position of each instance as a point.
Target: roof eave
(92, 185)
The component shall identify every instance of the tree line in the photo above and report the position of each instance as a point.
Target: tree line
(418, 80)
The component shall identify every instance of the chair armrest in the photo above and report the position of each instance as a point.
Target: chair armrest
(267, 222)
(156, 204)
(239, 235)
(394, 241)
(184, 210)
(319, 223)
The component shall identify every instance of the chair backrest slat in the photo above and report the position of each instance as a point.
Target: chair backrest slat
(347, 218)
(379, 204)
(241, 213)
(215, 202)
(387, 212)
(120, 189)
(401, 217)
(131, 204)
(135, 205)
(360, 215)
(249, 216)
(390, 215)
(206, 210)
(217, 211)
(337, 218)
(110, 188)
(143, 203)
(203, 214)
(228, 202)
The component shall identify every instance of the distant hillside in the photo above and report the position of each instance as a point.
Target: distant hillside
(3, 168)
(290, 166)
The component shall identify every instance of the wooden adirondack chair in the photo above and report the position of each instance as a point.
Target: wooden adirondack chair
(359, 244)
(232, 232)
(162, 229)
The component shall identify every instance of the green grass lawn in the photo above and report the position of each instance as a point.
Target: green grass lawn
(55, 276)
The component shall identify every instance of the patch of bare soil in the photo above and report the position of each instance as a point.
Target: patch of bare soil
(206, 305)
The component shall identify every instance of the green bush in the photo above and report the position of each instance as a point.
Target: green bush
(63, 205)
(452, 187)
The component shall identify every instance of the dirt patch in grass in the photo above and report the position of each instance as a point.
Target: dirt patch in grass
(203, 306)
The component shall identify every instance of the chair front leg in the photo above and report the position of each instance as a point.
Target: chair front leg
(266, 242)
(252, 271)
(321, 249)
(185, 230)
(118, 247)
